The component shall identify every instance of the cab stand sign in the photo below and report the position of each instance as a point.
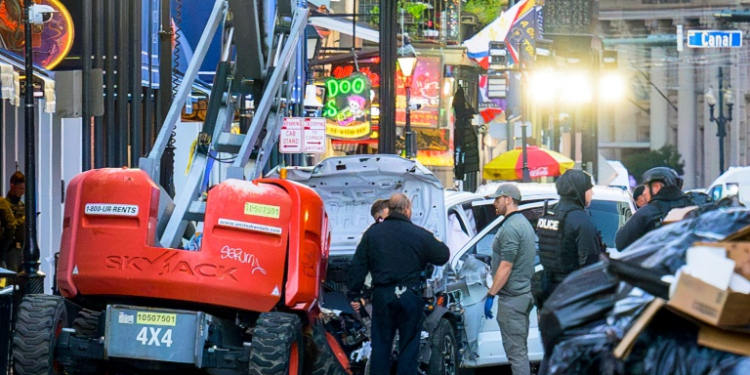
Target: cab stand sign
(714, 38)
(303, 134)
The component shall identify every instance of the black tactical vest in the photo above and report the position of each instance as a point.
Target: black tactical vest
(558, 254)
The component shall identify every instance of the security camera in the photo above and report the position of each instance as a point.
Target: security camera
(41, 14)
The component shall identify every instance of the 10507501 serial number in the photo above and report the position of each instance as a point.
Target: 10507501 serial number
(159, 319)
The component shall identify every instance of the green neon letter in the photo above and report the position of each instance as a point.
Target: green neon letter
(358, 85)
(333, 88)
(345, 87)
(331, 109)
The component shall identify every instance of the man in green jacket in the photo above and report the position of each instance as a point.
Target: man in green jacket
(14, 238)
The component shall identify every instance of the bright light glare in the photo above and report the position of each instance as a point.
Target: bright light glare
(544, 86)
(576, 88)
(611, 87)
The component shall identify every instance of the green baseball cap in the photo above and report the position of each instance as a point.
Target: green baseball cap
(507, 190)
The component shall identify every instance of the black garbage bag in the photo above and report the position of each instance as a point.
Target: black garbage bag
(663, 249)
(587, 354)
(585, 296)
(732, 366)
(641, 277)
(669, 346)
(631, 302)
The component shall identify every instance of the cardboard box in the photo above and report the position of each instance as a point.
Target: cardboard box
(708, 336)
(623, 349)
(740, 235)
(731, 342)
(678, 214)
(710, 304)
(737, 251)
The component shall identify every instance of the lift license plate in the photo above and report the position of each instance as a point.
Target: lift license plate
(151, 335)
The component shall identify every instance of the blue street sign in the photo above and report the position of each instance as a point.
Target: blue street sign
(714, 38)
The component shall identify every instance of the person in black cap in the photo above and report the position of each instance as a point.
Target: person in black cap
(665, 189)
(568, 240)
(396, 252)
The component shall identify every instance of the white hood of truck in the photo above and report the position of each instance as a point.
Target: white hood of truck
(350, 184)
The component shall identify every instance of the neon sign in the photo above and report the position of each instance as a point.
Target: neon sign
(343, 71)
(348, 105)
(356, 85)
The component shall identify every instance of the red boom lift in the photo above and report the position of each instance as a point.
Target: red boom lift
(136, 297)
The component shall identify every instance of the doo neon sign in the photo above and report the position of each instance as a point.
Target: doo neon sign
(347, 99)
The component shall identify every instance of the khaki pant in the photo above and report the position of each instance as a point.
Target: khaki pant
(513, 319)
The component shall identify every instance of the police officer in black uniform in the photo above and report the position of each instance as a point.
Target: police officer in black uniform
(568, 240)
(396, 252)
(665, 188)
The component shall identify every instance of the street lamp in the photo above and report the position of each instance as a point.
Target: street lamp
(311, 102)
(406, 62)
(31, 274)
(721, 121)
(313, 41)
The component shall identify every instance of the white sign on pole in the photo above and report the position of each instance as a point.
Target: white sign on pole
(315, 135)
(290, 138)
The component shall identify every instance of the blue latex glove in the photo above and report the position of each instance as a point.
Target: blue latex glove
(488, 306)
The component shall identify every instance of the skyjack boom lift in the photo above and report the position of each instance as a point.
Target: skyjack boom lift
(253, 60)
(133, 299)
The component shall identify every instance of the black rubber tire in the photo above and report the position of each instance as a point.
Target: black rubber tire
(40, 319)
(325, 362)
(444, 358)
(272, 344)
(87, 323)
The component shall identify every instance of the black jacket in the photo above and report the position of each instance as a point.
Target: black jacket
(395, 252)
(649, 217)
(579, 231)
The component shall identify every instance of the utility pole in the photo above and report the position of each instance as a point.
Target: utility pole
(165, 93)
(32, 277)
(388, 26)
(86, 130)
(524, 118)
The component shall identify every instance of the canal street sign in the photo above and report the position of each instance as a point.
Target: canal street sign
(714, 38)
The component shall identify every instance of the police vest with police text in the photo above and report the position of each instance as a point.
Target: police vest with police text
(557, 254)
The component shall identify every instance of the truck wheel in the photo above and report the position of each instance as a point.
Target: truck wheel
(86, 326)
(277, 347)
(87, 323)
(444, 357)
(327, 362)
(40, 320)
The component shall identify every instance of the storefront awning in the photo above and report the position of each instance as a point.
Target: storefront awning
(344, 26)
(11, 67)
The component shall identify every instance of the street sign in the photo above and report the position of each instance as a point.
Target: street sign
(315, 135)
(714, 38)
(497, 86)
(290, 138)
(498, 56)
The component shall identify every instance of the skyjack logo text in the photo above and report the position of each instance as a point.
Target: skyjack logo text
(168, 263)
